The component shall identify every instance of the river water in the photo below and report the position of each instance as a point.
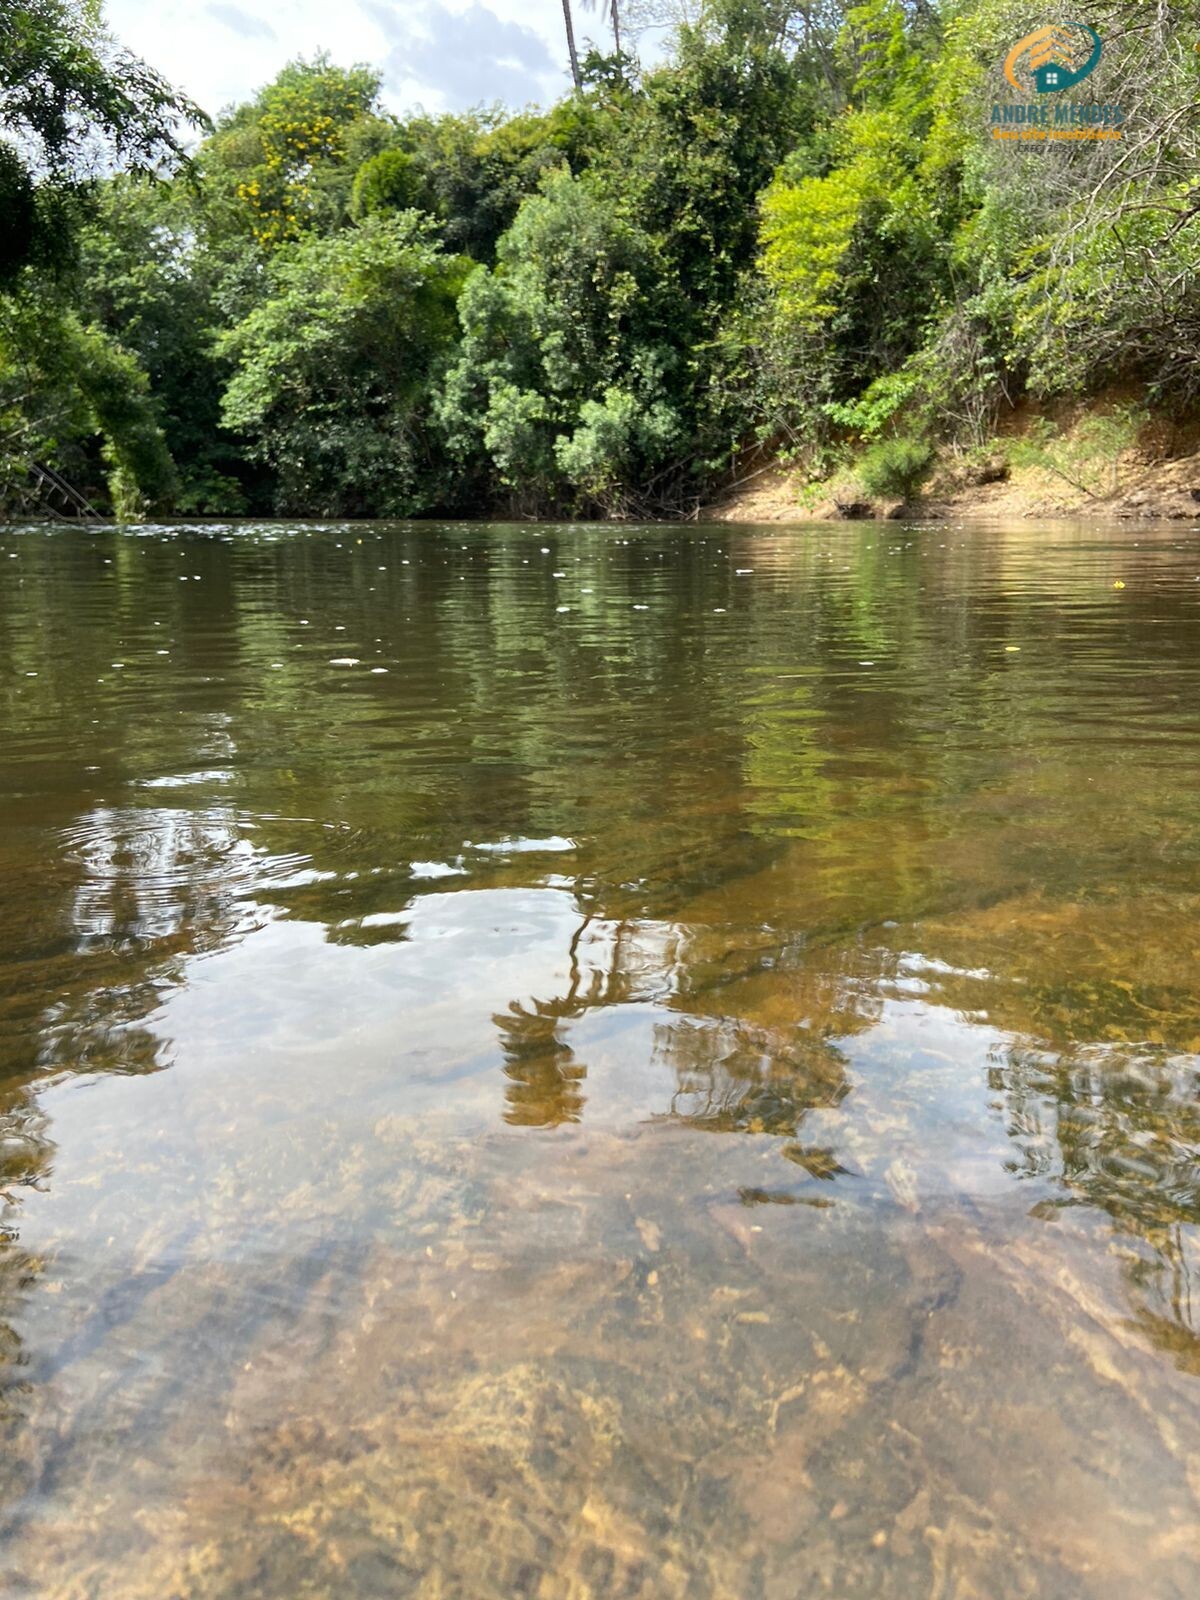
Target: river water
(599, 1062)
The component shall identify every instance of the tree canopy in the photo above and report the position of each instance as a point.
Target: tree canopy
(796, 231)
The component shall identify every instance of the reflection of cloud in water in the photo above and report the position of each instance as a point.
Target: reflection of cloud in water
(554, 845)
(727, 1029)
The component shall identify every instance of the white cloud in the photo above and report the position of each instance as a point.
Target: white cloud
(442, 54)
(462, 58)
(242, 22)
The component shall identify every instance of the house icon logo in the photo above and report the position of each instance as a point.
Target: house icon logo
(1054, 58)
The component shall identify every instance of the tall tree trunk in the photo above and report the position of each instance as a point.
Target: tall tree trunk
(566, 4)
(616, 22)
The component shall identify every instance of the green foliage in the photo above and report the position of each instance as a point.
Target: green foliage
(18, 214)
(613, 439)
(284, 165)
(141, 475)
(1089, 457)
(561, 345)
(792, 232)
(879, 404)
(390, 181)
(691, 155)
(856, 255)
(1079, 323)
(142, 279)
(63, 385)
(477, 168)
(894, 469)
(336, 368)
(951, 385)
(75, 100)
(71, 104)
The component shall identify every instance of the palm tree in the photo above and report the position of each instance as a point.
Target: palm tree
(610, 6)
(566, 5)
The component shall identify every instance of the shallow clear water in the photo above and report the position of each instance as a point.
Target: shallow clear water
(580, 1062)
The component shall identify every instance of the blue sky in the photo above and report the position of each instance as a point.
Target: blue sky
(440, 54)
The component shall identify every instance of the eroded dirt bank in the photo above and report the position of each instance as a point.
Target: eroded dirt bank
(1156, 478)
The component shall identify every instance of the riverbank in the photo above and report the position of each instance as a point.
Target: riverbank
(1036, 465)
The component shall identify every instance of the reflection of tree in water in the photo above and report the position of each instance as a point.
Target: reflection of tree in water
(733, 1074)
(544, 1079)
(735, 1077)
(150, 886)
(1119, 1129)
(155, 886)
(148, 870)
(25, 1153)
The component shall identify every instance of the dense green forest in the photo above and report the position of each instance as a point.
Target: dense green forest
(795, 234)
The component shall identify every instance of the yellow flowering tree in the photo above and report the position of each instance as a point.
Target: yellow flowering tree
(284, 165)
